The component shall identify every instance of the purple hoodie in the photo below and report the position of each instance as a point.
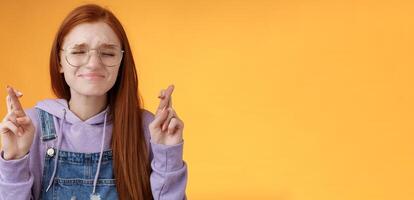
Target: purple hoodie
(21, 179)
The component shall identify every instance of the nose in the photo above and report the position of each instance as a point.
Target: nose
(94, 60)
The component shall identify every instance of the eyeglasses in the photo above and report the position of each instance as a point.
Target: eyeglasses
(110, 56)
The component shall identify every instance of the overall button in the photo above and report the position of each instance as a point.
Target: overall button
(50, 152)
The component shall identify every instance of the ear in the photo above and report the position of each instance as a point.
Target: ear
(60, 60)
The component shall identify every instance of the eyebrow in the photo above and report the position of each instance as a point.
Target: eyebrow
(107, 45)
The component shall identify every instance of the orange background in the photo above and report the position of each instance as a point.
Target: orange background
(286, 100)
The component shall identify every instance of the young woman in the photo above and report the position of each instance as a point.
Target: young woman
(94, 141)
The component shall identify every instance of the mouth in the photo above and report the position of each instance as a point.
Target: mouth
(92, 76)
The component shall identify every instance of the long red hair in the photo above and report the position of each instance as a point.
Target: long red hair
(130, 153)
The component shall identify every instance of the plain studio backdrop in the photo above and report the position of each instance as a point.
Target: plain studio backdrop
(281, 99)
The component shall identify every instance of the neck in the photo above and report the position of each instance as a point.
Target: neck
(86, 107)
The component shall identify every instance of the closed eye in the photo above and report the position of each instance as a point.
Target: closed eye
(77, 52)
(107, 54)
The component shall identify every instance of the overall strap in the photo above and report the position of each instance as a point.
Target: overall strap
(47, 125)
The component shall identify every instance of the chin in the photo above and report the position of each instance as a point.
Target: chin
(92, 91)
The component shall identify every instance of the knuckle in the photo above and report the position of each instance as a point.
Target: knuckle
(11, 116)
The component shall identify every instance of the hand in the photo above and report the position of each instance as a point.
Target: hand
(16, 129)
(167, 127)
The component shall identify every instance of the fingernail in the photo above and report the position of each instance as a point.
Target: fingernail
(19, 93)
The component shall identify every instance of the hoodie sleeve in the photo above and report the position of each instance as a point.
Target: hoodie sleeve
(169, 171)
(16, 177)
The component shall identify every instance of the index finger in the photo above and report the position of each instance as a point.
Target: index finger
(166, 100)
(15, 103)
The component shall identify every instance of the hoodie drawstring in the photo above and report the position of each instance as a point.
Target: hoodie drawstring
(57, 148)
(100, 156)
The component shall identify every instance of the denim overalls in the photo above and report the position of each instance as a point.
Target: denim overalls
(75, 172)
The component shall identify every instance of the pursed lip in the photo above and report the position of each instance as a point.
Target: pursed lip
(91, 75)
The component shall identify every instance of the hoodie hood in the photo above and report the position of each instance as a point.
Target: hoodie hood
(79, 136)
(56, 107)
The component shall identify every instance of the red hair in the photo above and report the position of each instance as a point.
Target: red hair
(130, 154)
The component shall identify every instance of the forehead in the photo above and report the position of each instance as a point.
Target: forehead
(91, 34)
